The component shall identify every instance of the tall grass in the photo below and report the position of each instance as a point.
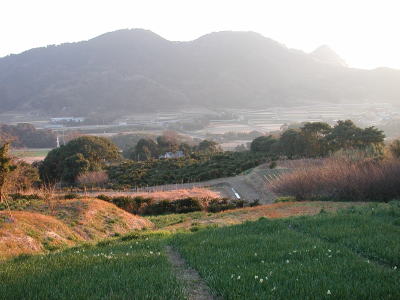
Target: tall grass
(344, 180)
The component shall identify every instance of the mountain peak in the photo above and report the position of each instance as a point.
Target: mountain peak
(326, 55)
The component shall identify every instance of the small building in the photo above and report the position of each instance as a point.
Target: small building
(176, 154)
(66, 120)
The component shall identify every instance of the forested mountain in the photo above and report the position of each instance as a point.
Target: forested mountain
(136, 71)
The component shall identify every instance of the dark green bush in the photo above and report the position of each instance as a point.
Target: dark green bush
(71, 196)
(217, 205)
(177, 206)
(104, 197)
(16, 196)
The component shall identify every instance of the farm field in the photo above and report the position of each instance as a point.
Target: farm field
(30, 155)
(21, 153)
(300, 258)
(332, 255)
(124, 270)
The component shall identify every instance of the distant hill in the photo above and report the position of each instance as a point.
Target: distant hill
(327, 55)
(137, 71)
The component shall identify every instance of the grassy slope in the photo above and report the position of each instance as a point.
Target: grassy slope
(71, 222)
(347, 256)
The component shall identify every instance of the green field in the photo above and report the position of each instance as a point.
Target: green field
(352, 254)
(21, 153)
(123, 270)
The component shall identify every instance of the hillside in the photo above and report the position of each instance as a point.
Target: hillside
(136, 71)
(73, 222)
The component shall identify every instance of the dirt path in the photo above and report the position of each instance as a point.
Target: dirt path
(196, 288)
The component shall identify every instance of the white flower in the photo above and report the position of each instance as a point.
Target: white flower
(232, 275)
(255, 254)
(266, 278)
(273, 289)
(261, 280)
(151, 252)
(262, 261)
(256, 277)
(287, 261)
(238, 277)
(395, 268)
(329, 250)
(328, 292)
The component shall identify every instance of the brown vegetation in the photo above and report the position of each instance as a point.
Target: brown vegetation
(271, 211)
(70, 222)
(200, 193)
(343, 179)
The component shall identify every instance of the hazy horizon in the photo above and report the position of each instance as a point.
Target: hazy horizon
(361, 32)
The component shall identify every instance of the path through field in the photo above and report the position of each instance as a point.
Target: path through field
(195, 287)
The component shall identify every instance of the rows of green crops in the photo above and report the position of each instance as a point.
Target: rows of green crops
(323, 257)
(353, 254)
(373, 231)
(125, 270)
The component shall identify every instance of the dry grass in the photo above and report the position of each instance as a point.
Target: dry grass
(200, 193)
(271, 211)
(29, 232)
(69, 222)
(342, 179)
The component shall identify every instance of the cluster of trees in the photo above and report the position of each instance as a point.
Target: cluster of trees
(15, 175)
(320, 139)
(147, 148)
(81, 155)
(192, 168)
(232, 136)
(26, 135)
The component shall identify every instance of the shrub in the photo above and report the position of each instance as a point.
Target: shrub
(343, 180)
(394, 148)
(273, 165)
(217, 205)
(71, 196)
(177, 206)
(16, 196)
(92, 179)
(104, 197)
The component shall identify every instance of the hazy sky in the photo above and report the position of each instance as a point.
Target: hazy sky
(364, 32)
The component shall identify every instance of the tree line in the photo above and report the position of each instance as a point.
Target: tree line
(320, 139)
(26, 135)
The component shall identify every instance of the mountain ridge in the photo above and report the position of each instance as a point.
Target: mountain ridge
(136, 70)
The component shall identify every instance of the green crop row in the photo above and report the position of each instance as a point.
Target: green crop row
(275, 260)
(124, 270)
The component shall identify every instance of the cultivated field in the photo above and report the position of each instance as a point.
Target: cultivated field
(332, 255)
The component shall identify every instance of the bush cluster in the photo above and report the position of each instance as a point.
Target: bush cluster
(148, 206)
(183, 170)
